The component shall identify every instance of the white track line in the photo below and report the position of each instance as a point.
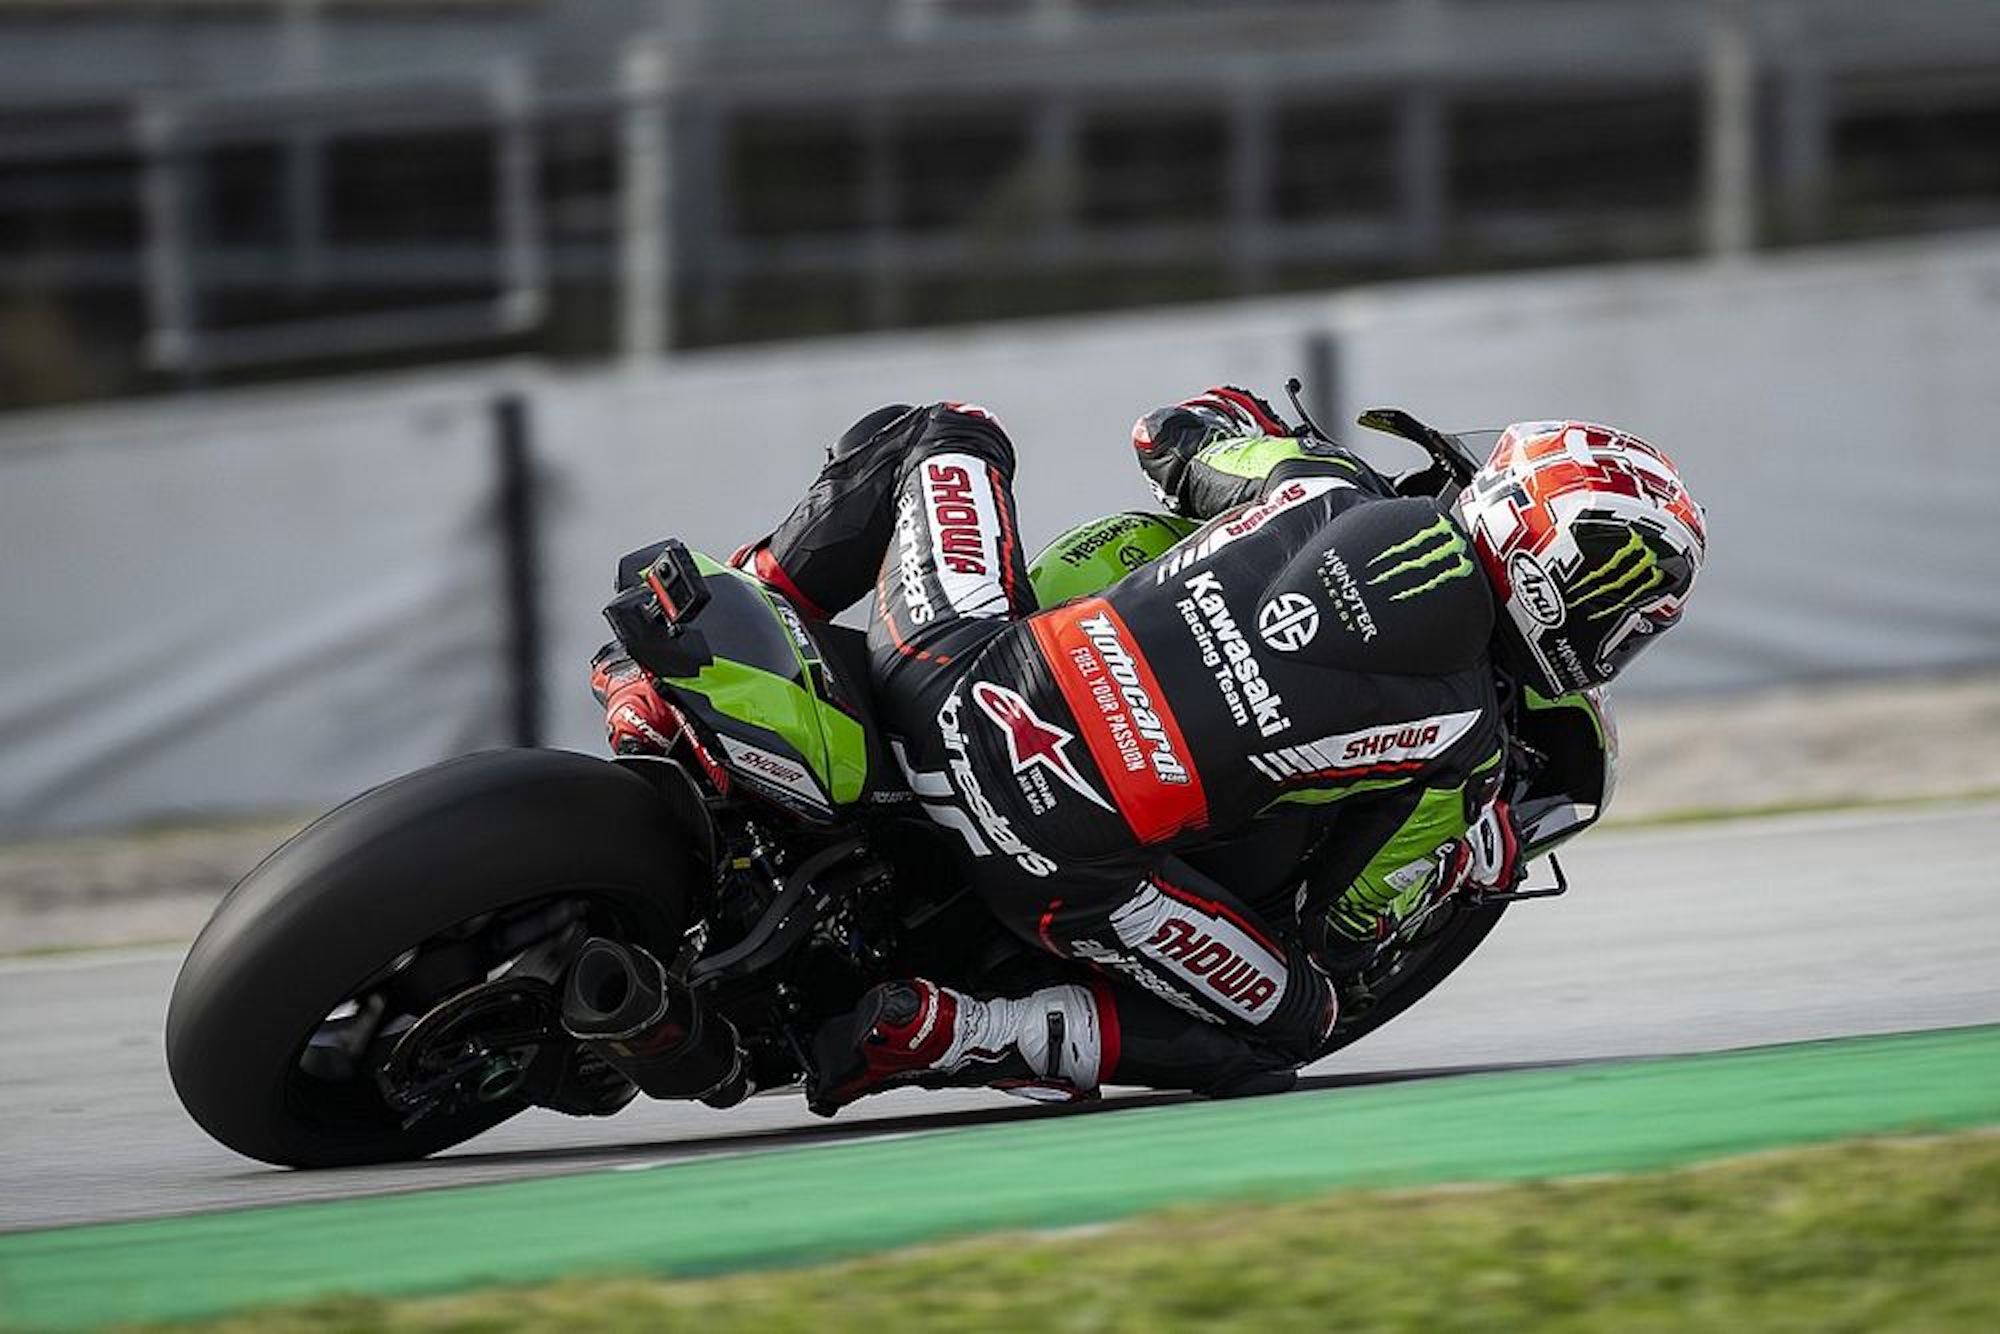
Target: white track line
(1732, 828)
(111, 956)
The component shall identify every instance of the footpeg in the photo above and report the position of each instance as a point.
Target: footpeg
(621, 1004)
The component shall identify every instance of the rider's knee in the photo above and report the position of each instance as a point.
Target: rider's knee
(893, 435)
(1304, 1021)
(968, 428)
(866, 431)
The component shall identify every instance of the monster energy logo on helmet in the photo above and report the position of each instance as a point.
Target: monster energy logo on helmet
(1631, 572)
(1435, 555)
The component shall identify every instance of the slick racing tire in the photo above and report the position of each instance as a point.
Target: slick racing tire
(357, 894)
(1418, 972)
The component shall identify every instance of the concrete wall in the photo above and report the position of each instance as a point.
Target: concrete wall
(279, 597)
(218, 607)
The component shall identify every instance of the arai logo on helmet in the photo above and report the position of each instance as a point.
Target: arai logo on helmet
(1535, 590)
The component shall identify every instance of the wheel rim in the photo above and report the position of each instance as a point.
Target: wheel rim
(332, 1079)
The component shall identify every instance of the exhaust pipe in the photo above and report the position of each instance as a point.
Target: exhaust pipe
(619, 1002)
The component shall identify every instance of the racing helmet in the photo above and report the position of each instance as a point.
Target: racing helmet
(1592, 544)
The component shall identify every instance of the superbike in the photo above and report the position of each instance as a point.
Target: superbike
(539, 928)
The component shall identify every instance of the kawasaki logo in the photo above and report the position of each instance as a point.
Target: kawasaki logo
(1435, 555)
(1227, 653)
(1632, 572)
(1104, 537)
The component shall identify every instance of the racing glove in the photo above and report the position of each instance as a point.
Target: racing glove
(1489, 855)
(1167, 439)
(636, 720)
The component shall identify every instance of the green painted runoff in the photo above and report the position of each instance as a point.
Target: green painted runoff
(814, 1203)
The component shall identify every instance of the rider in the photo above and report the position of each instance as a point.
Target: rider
(1320, 639)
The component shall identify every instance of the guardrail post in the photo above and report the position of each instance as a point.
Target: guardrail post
(1729, 148)
(645, 185)
(519, 538)
(170, 295)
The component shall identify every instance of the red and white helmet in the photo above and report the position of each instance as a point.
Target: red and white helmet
(1592, 544)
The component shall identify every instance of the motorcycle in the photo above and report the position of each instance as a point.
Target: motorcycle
(524, 928)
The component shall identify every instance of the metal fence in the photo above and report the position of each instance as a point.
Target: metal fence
(191, 191)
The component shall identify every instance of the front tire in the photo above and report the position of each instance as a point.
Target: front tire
(398, 866)
(1429, 963)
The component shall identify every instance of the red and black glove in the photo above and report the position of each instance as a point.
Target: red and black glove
(637, 721)
(1167, 439)
(1246, 412)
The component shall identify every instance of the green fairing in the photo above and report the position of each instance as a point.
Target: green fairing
(832, 744)
(1092, 556)
(846, 756)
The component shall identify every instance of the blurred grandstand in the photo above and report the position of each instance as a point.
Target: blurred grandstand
(207, 190)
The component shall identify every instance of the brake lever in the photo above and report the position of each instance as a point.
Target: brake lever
(1293, 387)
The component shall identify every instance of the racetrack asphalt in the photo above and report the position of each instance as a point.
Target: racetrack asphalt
(1675, 939)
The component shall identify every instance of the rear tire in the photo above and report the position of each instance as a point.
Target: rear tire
(391, 869)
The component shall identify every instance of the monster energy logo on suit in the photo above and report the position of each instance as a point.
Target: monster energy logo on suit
(1434, 555)
(1632, 572)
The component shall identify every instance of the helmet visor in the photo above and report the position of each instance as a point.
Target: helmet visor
(1634, 634)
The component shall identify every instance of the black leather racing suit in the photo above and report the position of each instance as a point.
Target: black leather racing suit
(1320, 639)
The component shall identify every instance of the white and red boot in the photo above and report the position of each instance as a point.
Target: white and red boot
(1056, 1043)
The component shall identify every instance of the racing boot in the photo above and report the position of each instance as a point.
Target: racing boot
(1049, 1045)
